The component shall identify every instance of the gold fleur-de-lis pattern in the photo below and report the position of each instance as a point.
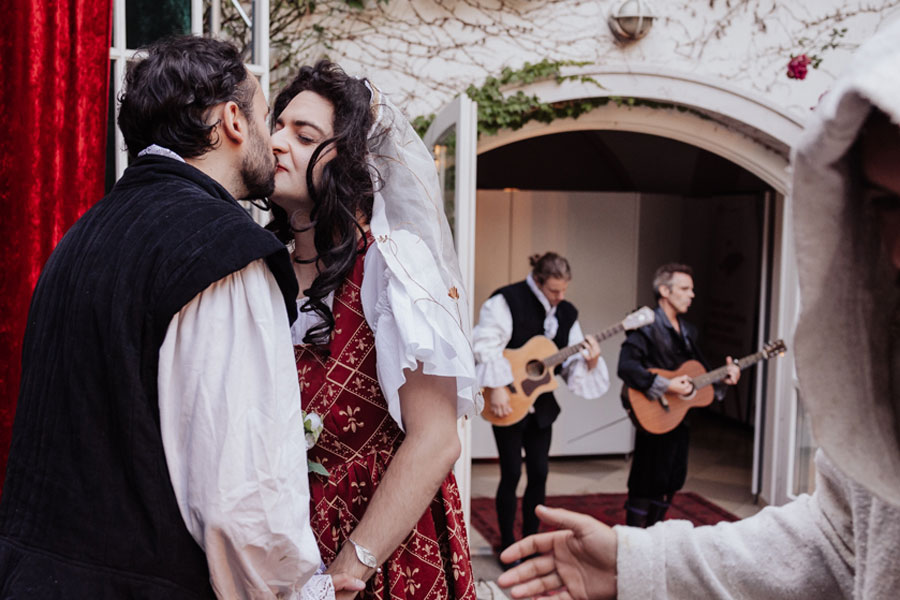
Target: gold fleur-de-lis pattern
(358, 442)
(350, 414)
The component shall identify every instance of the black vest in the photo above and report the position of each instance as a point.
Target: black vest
(528, 321)
(88, 509)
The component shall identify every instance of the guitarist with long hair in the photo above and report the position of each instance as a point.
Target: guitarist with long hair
(508, 319)
(659, 463)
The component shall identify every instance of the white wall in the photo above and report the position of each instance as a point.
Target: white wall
(424, 52)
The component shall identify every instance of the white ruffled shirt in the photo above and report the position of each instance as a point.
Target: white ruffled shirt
(229, 404)
(403, 336)
(494, 330)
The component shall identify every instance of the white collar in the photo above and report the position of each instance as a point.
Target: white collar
(550, 310)
(159, 151)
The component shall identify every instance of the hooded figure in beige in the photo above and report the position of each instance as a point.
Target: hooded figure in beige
(843, 540)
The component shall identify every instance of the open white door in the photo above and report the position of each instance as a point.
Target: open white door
(453, 138)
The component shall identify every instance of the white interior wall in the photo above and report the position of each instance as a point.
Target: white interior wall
(597, 233)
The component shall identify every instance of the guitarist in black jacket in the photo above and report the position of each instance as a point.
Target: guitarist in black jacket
(659, 463)
(509, 318)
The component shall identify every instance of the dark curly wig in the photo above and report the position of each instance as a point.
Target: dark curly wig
(344, 194)
(168, 94)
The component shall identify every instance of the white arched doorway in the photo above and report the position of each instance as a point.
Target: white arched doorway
(720, 118)
(745, 130)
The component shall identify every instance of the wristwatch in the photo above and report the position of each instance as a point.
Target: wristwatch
(365, 556)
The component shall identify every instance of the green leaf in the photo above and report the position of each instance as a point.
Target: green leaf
(317, 468)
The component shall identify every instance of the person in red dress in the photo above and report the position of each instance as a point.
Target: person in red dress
(382, 344)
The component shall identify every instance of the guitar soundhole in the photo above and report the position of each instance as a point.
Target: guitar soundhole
(534, 368)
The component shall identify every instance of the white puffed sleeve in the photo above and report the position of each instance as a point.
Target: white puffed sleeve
(587, 383)
(229, 406)
(411, 326)
(489, 339)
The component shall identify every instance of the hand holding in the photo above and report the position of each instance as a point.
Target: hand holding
(345, 582)
(681, 385)
(576, 562)
(500, 406)
(591, 351)
(734, 372)
(347, 572)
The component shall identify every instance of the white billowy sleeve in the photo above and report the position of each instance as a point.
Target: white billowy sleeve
(410, 330)
(229, 405)
(489, 339)
(804, 549)
(587, 383)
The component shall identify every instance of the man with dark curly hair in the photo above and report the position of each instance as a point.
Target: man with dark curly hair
(158, 448)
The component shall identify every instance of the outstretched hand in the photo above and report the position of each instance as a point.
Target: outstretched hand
(577, 562)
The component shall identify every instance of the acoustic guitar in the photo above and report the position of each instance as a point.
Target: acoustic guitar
(666, 412)
(532, 367)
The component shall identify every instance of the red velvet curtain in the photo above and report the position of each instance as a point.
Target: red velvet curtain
(54, 89)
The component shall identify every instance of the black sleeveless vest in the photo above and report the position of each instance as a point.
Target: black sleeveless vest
(88, 510)
(528, 321)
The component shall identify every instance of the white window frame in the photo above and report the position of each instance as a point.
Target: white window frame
(120, 54)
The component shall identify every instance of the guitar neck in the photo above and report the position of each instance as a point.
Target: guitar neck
(561, 356)
(721, 373)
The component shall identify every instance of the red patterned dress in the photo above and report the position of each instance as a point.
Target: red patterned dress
(356, 446)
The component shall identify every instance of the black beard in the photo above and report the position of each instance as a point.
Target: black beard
(258, 177)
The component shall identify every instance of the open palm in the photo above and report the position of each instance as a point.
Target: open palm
(576, 562)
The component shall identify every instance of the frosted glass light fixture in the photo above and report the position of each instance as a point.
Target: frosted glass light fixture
(631, 20)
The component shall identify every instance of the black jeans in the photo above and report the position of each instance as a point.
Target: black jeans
(659, 463)
(510, 442)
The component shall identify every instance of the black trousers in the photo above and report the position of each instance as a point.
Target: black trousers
(658, 470)
(659, 462)
(510, 442)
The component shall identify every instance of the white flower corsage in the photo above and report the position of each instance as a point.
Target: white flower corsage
(312, 429)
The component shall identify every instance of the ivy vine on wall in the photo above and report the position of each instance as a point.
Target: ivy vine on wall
(497, 111)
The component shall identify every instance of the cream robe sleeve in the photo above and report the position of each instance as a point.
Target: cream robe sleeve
(807, 548)
(233, 436)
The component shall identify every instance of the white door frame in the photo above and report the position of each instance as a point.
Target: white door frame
(462, 113)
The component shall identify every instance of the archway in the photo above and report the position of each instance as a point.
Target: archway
(749, 132)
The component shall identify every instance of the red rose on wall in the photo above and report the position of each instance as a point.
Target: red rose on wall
(798, 66)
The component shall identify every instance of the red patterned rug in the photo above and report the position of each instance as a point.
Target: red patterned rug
(607, 508)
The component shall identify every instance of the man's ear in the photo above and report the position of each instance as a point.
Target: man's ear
(234, 124)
